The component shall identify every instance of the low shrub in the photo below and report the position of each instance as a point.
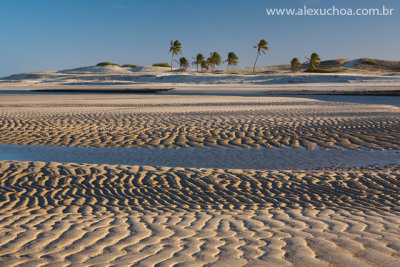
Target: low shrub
(369, 61)
(164, 65)
(318, 70)
(107, 64)
(129, 66)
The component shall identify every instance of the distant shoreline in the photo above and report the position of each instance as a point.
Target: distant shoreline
(106, 90)
(275, 92)
(112, 79)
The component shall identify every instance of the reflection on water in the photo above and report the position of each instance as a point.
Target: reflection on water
(203, 157)
(358, 99)
(362, 99)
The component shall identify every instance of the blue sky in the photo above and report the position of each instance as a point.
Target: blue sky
(52, 35)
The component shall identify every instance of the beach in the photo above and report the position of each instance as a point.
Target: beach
(100, 214)
(179, 121)
(348, 77)
(195, 133)
(59, 214)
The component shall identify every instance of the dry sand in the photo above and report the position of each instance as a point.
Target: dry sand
(268, 80)
(102, 215)
(182, 121)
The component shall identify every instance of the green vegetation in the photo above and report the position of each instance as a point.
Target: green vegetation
(318, 70)
(183, 63)
(295, 64)
(214, 60)
(163, 65)
(314, 61)
(232, 60)
(204, 65)
(198, 60)
(369, 61)
(107, 64)
(261, 47)
(129, 66)
(175, 49)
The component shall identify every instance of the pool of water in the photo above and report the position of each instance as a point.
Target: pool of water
(360, 99)
(203, 157)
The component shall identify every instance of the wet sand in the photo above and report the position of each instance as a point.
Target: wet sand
(60, 214)
(175, 121)
(88, 214)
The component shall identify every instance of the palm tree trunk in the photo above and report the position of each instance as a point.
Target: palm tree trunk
(254, 67)
(172, 60)
(197, 67)
(227, 69)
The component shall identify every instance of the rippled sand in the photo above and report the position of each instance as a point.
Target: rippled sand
(183, 121)
(123, 215)
(101, 215)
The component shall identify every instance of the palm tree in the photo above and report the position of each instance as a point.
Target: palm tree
(231, 60)
(314, 60)
(183, 63)
(204, 65)
(261, 47)
(198, 60)
(295, 63)
(175, 49)
(210, 63)
(214, 60)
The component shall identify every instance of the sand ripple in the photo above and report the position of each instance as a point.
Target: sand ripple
(164, 188)
(101, 215)
(53, 213)
(184, 121)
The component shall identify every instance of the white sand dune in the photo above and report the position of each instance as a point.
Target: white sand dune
(268, 80)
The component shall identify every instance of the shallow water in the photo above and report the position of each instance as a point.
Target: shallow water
(227, 158)
(359, 99)
(366, 99)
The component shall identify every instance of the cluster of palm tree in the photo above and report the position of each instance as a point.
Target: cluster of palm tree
(200, 61)
(232, 60)
(214, 60)
(314, 61)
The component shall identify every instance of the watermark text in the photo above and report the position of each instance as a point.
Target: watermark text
(332, 11)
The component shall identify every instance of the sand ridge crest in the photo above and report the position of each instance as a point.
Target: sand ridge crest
(54, 213)
(100, 215)
(141, 188)
(176, 122)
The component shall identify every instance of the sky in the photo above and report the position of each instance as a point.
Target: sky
(37, 35)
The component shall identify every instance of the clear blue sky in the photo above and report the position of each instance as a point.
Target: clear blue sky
(59, 34)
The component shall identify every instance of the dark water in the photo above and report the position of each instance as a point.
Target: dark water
(203, 157)
(376, 100)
